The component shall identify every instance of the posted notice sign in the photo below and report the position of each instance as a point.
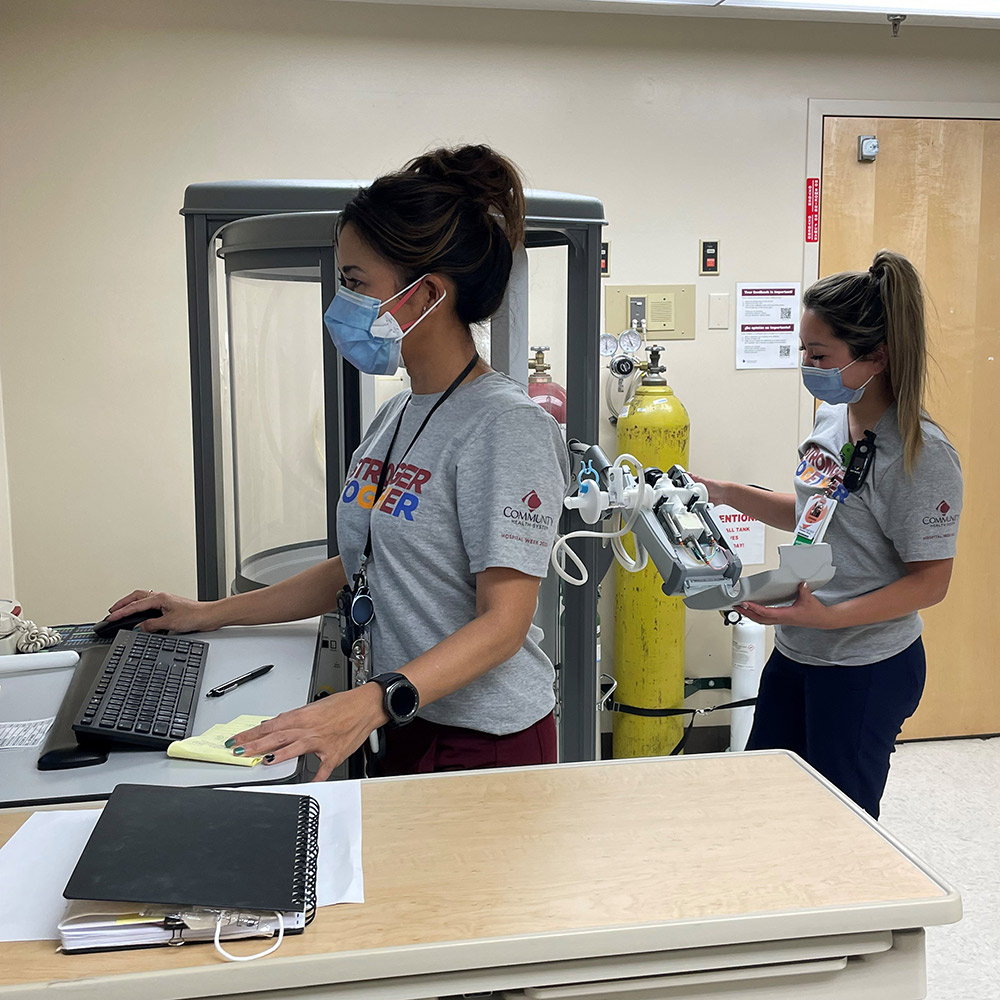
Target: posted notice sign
(767, 325)
(812, 210)
(746, 536)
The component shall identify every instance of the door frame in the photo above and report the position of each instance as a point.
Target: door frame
(820, 108)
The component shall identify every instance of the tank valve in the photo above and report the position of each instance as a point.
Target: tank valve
(652, 368)
(538, 365)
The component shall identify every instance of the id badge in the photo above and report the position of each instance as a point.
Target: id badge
(815, 519)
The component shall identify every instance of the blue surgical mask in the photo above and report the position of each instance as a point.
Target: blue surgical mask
(368, 340)
(827, 385)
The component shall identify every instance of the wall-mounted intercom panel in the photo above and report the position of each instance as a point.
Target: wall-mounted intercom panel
(666, 310)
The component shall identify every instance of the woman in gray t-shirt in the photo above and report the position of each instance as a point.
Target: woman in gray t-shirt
(451, 503)
(848, 664)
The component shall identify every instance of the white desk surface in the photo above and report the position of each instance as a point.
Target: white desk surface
(232, 651)
(565, 873)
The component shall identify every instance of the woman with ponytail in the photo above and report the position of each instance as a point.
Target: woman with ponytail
(452, 498)
(848, 665)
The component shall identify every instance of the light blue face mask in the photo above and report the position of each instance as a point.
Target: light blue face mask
(369, 341)
(827, 385)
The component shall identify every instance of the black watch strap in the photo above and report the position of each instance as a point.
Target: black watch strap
(400, 697)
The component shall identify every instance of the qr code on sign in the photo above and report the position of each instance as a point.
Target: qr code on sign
(784, 350)
(786, 312)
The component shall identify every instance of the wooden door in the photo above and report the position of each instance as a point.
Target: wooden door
(933, 193)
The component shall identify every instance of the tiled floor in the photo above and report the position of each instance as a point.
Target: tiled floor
(942, 801)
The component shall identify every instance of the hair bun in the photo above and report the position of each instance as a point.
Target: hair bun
(482, 175)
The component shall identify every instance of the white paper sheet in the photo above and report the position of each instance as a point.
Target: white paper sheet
(23, 735)
(35, 865)
(767, 325)
(340, 879)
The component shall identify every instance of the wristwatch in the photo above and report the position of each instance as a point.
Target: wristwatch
(401, 699)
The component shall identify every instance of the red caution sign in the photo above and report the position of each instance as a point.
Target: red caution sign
(812, 210)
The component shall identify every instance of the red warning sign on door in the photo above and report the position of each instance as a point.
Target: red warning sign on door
(812, 210)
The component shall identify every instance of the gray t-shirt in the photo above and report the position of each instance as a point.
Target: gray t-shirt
(482, 487)
(893, 519)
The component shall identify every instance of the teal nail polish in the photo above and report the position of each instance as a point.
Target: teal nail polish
(238, 751)
(229, 743)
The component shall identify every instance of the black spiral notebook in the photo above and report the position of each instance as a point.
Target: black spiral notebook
(202, 847)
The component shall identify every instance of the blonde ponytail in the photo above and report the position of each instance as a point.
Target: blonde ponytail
(883, 305)
(906, 341)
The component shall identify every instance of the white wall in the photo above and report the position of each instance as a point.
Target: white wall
(685, 128)
(6, 541)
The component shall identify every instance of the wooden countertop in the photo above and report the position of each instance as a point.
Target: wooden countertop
(561, 861)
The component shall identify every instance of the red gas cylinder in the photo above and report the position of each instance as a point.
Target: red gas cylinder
(547, 394)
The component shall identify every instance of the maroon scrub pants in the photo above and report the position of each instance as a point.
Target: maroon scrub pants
(421, 747)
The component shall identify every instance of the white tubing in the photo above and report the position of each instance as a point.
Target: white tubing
(641, 558)
(629, 383)
(632, 565)
(248, 958)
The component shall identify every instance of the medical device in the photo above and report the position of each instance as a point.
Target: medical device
(860, 459)
(673, 523)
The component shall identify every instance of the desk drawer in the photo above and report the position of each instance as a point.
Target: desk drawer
(897, 973)
(876, 966)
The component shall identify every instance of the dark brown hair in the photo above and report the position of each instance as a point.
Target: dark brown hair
(883, 305)
(457, 212)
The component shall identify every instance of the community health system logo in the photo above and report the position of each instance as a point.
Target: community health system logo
(526, 513)
(943, 520)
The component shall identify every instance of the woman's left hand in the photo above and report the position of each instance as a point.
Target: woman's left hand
(807, 612)
(332, 728)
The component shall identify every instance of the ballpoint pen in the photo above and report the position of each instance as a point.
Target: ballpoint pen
(237, 681)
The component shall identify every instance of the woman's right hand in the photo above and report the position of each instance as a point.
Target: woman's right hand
(716, 488)
(180, 614)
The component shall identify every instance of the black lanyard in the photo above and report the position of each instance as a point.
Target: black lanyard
(399, 423)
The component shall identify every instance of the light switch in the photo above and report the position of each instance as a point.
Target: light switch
(718, 311)
(709, 257)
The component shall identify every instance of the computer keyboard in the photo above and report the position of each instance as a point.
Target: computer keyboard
(146, 692)
(79, 637)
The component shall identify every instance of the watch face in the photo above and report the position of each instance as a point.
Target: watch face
(402, 700)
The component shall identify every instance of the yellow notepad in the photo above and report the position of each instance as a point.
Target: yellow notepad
(211, 744)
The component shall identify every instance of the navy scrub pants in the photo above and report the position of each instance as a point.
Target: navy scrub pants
(842, 720)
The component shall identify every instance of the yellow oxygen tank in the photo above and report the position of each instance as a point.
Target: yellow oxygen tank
(649, 626)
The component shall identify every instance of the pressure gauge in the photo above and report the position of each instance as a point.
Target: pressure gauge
(630, 340)
(609, 345)
(623, 366)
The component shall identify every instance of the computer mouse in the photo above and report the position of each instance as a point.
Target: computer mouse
(105, 628)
